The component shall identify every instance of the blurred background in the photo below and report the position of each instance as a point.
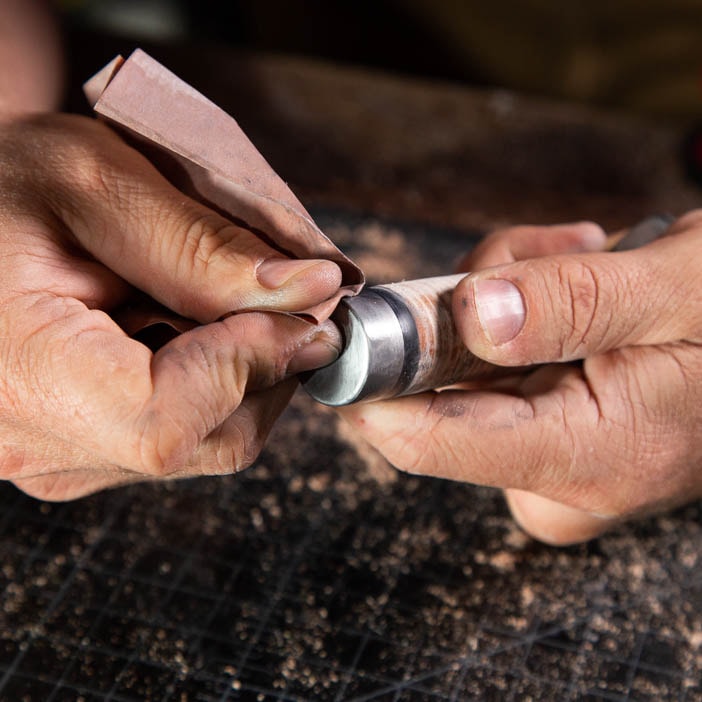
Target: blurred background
(642, 56)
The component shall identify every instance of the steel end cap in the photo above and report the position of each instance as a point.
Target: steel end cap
(371, 362)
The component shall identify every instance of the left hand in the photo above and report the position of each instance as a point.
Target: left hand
(85, 223)
(577, 445)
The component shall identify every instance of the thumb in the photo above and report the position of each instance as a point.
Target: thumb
(561, 308)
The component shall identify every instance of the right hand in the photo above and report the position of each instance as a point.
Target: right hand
(600, 421)
(84, 221)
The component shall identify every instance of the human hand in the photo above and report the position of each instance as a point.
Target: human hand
(578, 445)
(84, 221)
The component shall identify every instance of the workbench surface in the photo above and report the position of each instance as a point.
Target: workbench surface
(321, 573)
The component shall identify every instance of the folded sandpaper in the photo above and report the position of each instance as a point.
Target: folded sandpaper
(205, 154)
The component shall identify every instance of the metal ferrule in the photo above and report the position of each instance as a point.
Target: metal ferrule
(372, 361)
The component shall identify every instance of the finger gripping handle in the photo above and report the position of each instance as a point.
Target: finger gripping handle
(401, 339)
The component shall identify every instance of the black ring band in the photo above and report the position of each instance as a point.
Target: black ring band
(410, 336)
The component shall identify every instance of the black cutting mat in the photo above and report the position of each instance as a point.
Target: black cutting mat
(321, 574)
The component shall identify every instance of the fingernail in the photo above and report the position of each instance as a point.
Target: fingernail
(500, 308)
(321, 350)
(279, 272)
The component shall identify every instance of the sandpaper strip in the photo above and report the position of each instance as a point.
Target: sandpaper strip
(204, 153)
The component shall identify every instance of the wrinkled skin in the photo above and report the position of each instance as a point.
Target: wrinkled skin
(578, 445)
(84, 221)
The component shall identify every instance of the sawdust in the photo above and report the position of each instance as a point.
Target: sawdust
(503, 561)
(527, 596)
(382, 252)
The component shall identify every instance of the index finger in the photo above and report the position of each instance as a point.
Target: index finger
(182, 253)
(529, 241)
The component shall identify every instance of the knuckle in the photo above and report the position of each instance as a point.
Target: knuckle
(159, 447)
(87, 174)
(91, 173)
(416, 457)
(578, 301)
(411, 453)
(84, 166)
(205, 235)
(213, 243)
(89, 163)
(241, 446)
(206, 257)
(425, 452)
